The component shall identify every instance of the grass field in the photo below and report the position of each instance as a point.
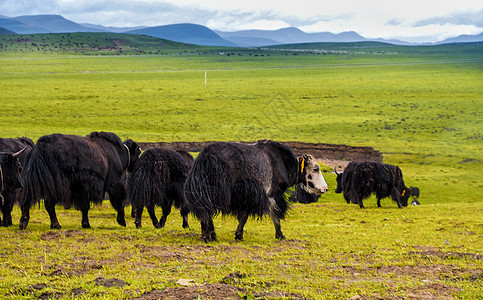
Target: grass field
(421, 106)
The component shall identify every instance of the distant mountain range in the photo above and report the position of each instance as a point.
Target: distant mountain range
(198, 34)
(291, 35)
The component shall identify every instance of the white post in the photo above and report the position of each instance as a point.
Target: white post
(205, 77)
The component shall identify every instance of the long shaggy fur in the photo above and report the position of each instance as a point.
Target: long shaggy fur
(361, 179)
(76, 171)
(157, 179)
(239, 179)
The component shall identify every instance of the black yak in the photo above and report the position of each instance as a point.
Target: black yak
(414, 192)
(75, 170)
(157, 179)
(10, 181)
(12, 192)
(361, 179)
(301, 194)
(247, 180)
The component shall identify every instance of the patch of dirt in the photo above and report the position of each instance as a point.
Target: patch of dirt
(330, 154)
(71, 233)
(112, 282)
(206, 291)
(222, 290)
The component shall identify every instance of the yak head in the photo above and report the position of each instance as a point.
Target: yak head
(134, 152)
(310, 174)
(338, 190)
(406, 192)
(10, 170)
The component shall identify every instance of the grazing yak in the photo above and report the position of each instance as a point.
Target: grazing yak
(157, 179)
(247, 180)
(361, 179)
(11, 192)
(76, 170)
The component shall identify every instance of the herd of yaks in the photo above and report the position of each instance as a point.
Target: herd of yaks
(230, 178)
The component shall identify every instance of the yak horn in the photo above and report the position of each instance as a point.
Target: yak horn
(17, 154)
(335, 171)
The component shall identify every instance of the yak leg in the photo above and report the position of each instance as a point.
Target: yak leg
(117, 194)
(208, 231)
(242, 219)
(211, 228)
(85, 218)
(7, 216)
(7, 213)
(24, 219)
(184, 214)
(50, 207)
(138, 213)
(205, 232)
(379, 202)
(396, 197)
(166, 211)
(361, 204)
(152, 214)
(276, 222)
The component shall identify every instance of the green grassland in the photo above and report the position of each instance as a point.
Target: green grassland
(421, 106)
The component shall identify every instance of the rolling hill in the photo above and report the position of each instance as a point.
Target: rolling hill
(87, 43)
(185, 33)
(53, 24)
(5, 31)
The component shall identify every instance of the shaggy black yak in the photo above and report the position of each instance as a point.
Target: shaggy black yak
(157, 179)
(247, 180)
(11, 192)
(76, 170)
(361, 179)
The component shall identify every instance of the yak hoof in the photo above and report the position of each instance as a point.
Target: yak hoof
(239, 238)
(55, 226)
(186, 225)
(280, 237)
(121, 222)
(157, 225)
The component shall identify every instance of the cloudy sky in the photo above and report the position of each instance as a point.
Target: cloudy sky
(409, 20)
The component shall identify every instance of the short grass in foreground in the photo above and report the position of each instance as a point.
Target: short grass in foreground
(333, 251)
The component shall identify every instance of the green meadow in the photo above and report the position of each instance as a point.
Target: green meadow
(421, 106)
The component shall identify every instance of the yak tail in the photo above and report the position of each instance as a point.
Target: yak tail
(43, 179)
(205, 188)
(147, 182)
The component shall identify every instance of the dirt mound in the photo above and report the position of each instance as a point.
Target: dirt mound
(207, 291)
(330, 154)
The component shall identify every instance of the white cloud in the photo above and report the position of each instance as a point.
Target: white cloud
(410, 19)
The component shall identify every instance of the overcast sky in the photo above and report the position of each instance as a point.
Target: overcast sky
(410, 20)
